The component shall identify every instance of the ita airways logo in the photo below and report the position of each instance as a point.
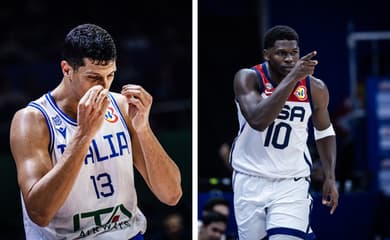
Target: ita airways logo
(110, 115)
(301, 93)
(101, 220)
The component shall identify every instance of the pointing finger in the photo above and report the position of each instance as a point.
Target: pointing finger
(309, 55)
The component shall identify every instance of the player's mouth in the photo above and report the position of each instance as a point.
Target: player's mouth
(287, 68)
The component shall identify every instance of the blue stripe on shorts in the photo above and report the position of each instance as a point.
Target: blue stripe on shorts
(139, 236)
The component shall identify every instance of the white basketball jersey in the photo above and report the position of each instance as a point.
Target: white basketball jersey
(280, 151)
(103, 202)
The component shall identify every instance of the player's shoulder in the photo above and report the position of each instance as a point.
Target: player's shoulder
(245, 76)
(119, 98)
(319, 90)
(245, 81)
(28, 122)
(317, 84)
(246, 72)
(28, 115)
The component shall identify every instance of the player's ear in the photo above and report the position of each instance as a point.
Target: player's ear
(266, 54)
(66, 68)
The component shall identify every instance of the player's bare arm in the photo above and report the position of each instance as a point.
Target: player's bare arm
(159, 171)
(326, 146)
(261, 112)
(44, 187)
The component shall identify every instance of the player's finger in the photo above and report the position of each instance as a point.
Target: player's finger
(137, 92)
(311, 62)
(136, 102)
(309, 55)
(101, 96)
(105, 104)
(131, 87)
(131, 90)
(325, 202)
(131, 93)
(93, 92)
(333, 208)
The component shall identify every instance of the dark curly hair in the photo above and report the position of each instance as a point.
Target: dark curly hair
(279, 32)
(88, 41)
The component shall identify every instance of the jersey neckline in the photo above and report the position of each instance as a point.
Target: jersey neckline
(53, 103)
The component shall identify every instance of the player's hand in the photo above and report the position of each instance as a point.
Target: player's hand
(330, 195)
(304, 66)
(140, 103)
(91, 109)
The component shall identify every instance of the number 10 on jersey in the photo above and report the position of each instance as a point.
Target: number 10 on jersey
(274, 132)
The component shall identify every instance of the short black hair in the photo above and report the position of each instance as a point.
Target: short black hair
(209, 205)
(213, 216)
(88, 41)
(279, 32)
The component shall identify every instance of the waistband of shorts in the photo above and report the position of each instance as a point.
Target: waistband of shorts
(307, 178)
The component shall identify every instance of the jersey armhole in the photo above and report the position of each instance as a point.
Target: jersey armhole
(260, 79)
(48, 122)
(309, 92)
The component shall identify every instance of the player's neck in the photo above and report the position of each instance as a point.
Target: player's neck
(276, 78)
(65, 100)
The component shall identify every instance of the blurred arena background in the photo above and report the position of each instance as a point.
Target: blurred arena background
(353, 45)
(154, 50)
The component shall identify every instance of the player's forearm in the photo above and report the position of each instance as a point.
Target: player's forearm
(268, 109)
(163, 174)
(48, 194)
(327, 151)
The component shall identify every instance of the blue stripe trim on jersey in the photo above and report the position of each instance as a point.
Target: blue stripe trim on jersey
(311, 236)
(234, 144)
(307, 161)
(53, 103)
(242, 128)
(309, 92)
(48, 122)
(115, 104)
(286, 231)
(231, 151)
(268, 76)
(309, 217)
(261, 85)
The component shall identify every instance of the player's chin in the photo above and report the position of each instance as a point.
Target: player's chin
(285, 70)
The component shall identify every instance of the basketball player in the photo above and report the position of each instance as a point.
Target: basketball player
(75, 148)
(270, 157)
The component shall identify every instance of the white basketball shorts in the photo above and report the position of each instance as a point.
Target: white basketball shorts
(272, 207)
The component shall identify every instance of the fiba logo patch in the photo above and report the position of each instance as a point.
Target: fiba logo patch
(110, 115)
(301, 93)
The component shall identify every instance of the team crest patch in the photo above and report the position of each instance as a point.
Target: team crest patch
(110, 115)
(301, 93)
